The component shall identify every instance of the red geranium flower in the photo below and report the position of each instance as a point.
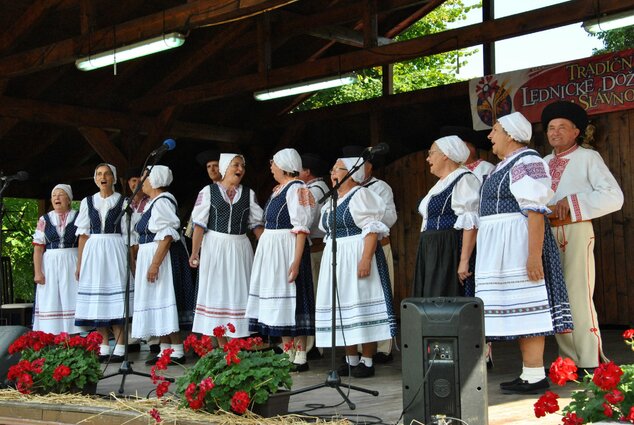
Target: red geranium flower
(240, 402)
(162, 388)
(607, 376)
(562, 371)
(572, 419)
(607, 410)
(628, 334)
(614, 397)
(219, 331)
(231, 327)
(60, 372)
(546, 404)
(630, 416)
(155, 415)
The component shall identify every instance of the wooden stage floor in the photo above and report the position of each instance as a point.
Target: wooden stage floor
(386, 408)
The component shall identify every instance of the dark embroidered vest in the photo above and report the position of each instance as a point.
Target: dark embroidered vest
(440, 215)
(229, 218)
(142, 226)
(495, 195)
(345, 222)
(276, 211)
(53, 240)
(95, 219)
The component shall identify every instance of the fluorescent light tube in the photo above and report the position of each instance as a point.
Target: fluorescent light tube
(609, 22)
(132, 51)
(306, 87)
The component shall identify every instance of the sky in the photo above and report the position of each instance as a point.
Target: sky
(546, 47)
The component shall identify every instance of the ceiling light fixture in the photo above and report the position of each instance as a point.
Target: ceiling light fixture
(132, 51)
(609, 22)
(305, 87)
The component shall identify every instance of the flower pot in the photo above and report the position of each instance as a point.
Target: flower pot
(276, 405)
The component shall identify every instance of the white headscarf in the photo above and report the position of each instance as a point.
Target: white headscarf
(225, 161)
(160, 176)
(454, 148)
(66, 188)
(288, 160)
(112, 168)
(358, 175)
(517, 126)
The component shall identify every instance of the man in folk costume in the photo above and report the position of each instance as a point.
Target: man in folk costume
(381, 188)
(584, 190)
(313, 170)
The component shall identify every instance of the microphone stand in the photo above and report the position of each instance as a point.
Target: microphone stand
(126, 366)
(333, 380)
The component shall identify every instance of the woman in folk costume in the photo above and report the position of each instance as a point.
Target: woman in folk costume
(222, 215)
(102, 263)
(54, 265)
(518, 273)
(155, 308)
(364, 293)
(281, 300)
(444, 263)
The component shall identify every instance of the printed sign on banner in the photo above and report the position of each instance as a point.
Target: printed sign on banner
(599, 84)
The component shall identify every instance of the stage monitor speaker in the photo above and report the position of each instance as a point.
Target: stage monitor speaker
(444, 338)
(8, 334)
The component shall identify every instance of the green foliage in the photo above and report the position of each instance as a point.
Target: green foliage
(19, 223)
(588, 402)
(615, 40)
(415, 74)
(258, 373)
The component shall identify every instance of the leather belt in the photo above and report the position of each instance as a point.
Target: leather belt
(385, 241)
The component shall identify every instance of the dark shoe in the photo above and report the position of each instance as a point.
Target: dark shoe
(382, 358)
(103, 358)
(178, 360)
(344, 369)
(299, 367)
(155, 348)
(314, 354)
(583, 371)
(134, 348)
(362, 371)
(114, 358)
(490, 364)
(524, 387)
(152, 360)
(511, 383)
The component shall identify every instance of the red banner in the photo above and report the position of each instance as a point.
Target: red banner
(599, 84)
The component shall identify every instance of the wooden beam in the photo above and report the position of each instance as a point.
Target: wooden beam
(264, 43)
(181, 18)
(411, 19)
(158, 132)
(26, 23)
(344, 35)
(511, 26)
(99, 141)
(212, 133)
(220, 41)
(86, 16)
(370, 25)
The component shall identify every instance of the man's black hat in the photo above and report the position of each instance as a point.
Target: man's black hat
(133, 172)
(314, 163)
(568, 110)
(209, 155)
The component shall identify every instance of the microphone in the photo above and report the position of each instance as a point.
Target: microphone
(19, 176)
(167, 145)
(380, 149)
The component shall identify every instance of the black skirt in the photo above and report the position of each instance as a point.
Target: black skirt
(437, 260)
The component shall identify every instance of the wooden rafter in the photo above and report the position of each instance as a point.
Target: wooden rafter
(182, 18)
(26, 23)
(101, 143)
(520, 24)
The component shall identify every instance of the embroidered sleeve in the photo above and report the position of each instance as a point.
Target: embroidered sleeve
(200, 214)
(531, 184)
(300, 207)
(38, 237)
